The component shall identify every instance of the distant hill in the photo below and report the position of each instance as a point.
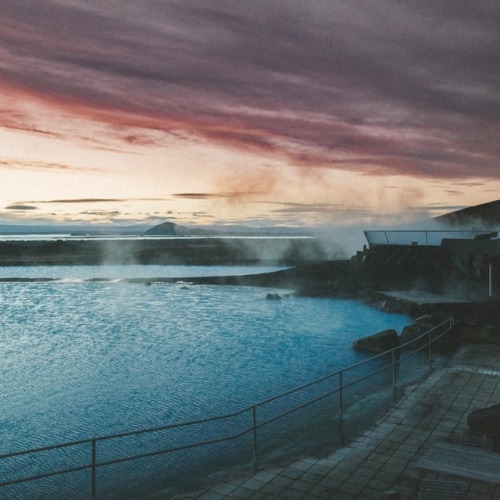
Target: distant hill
(484, 216)
(172, 229)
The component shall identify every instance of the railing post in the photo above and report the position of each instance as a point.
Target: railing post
(429, 339)
(94, 453)
(393, 373)
(340, 395)
(254, 420)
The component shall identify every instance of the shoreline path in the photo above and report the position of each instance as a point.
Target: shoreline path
(383, 459)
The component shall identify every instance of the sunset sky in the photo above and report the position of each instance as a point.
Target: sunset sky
(259, 112)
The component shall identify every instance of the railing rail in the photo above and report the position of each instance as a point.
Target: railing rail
(397, 355)
(420, 237)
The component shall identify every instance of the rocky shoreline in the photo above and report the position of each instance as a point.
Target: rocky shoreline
(427, 272)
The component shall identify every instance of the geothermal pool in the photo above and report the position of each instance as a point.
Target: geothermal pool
(81, 359)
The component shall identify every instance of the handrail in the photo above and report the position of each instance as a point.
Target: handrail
(364, 377)
(124, 434)
(425, 237)
(448, 324)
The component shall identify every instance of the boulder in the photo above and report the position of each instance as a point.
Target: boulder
(411, 332)
(273, 296)
(379, 342)
(486, 422)
(419, 327)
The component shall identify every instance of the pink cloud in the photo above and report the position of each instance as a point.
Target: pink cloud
(386, 88)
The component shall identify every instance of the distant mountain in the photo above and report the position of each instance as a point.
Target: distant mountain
(172, 229)
(484, 216)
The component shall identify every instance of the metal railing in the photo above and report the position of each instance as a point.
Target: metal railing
(418, 237)
(395, 356)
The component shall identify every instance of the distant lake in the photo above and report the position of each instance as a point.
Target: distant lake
(86, 237)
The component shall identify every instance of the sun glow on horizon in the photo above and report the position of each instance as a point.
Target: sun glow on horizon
(66, 179)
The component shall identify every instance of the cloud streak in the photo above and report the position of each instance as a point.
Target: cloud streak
(386, 87)
(31, 165)
(209, 196)
(21, 208)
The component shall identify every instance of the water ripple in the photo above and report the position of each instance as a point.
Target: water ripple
(82, 359)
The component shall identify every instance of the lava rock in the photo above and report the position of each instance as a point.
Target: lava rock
(273, 296)
(379, 342)
(486, 422)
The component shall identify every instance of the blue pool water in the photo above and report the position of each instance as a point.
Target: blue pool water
(81, 359)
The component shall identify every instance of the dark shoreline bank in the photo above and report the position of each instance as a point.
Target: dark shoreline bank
(174, 251)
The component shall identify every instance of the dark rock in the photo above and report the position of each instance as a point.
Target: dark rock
(273, 296)
(394, 306)
(419, 327)
(380, 342)
(411, 332)
(486, 422)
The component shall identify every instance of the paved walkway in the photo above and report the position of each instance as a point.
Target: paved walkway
(383, 458)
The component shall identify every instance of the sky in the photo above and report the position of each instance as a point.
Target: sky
(285, 112)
